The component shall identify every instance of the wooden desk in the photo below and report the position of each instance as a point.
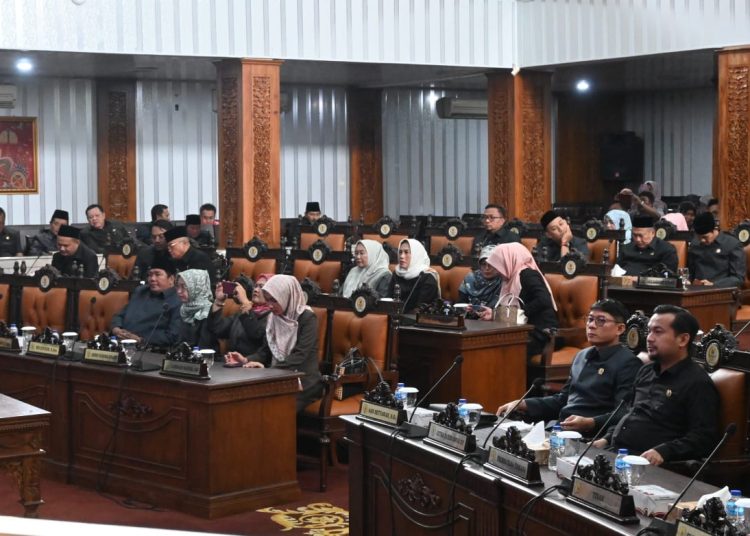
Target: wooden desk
(480, 503)
(209, 448)
(21, 427)
(709, 305)
(494, 367)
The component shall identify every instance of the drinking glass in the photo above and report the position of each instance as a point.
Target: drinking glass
(684, 274)
(208, 357)
(128, 347)
(69, 339)
(28, 333)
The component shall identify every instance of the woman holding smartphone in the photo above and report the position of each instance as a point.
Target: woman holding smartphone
(245, 330)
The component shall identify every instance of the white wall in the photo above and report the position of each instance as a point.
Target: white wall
(445, 32)
(66, 148)
(431, 165)
(563, 31)
(677, 130)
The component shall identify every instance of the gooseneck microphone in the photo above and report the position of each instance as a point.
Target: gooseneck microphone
(535, 384)
(661, 526)
(413, 431)
(138, 363)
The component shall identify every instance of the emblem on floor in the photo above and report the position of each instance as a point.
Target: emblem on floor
(317, 519)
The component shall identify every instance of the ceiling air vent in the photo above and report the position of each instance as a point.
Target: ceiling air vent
(457, 108)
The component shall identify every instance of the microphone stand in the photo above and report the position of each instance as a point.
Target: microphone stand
(413, 431)
(138, 365)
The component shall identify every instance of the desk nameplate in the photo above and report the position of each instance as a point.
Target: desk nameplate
(450, 439)
(43, 349)
(664, 283)
(514, 467)
(184, 369)
(370, 411)
(605, 502)
(104, 357)
(9, 343)
(686, 529)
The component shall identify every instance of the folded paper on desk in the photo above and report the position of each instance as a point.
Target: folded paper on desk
(723, 495)
(535, 435)
(651, 500)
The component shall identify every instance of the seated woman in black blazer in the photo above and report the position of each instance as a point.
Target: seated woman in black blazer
(418, 282)
(523, 279)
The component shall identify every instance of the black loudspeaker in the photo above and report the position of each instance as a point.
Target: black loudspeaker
(621, 157)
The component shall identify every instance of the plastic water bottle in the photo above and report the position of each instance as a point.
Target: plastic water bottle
(462, 411)
(13, 330)
(196, 354)
(400, 395)
(622, 467)
(556, 447)
(735, 514)
(113, 342)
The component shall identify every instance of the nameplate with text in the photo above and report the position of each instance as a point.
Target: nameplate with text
(669, 283)
(508, 464)
(381, 414)
(442, 436)
(44, 349)
(9, 343)
(686, 529)
(103, 357)
(184, 369)
(603, 501)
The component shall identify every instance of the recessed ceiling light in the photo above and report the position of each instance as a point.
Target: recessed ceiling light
(24, 65)
(583, 85)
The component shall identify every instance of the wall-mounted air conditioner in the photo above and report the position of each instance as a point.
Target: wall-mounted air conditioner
(8, 96)
(458, 108)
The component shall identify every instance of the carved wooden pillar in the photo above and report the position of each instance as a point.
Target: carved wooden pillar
(249, 150)
(365, 155)
(732, 139)
(519, 135)
(115, 133)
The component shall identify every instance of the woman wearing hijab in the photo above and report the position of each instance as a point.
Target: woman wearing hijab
(614, 220)
(522, 279)
(677, 219)
(481, 287)
(291, 337)
(371, 268)
(245, 330)
(418, 282)
(658, 204)
(194, 290)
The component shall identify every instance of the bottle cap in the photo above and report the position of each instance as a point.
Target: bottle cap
(399, 386)
(557, 428)
(622, 451)
(462, 401)
(736, 492)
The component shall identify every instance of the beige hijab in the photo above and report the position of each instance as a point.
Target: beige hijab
(377, 265)
(281, 330)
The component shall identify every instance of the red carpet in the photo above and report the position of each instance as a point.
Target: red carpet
(73, 503)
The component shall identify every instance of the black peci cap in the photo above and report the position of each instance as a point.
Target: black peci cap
(192, 219)
(312, 206)
(61, 215)
(69, 231)
(704, 223)
(175, 232)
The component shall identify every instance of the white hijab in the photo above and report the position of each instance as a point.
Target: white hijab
(377, 265)
(281, 330)
(420, 260)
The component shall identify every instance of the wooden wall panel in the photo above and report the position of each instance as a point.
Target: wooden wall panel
(364, 114)
(581, 121)
(732, 165)
(115, 148)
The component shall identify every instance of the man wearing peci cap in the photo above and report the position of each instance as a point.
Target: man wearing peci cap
(158, 247)
(185, 256)
(194, 231)
(715, 258)
(152, 314)
(312, 212)
(646, 250)
(558, 239)
(45, 241)
(72, 254)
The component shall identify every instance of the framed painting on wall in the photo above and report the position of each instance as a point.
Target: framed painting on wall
(18, 157)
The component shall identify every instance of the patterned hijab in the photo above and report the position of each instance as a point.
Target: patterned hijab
(281, 330)
(377, 265)
(510, 260)
(199, 301)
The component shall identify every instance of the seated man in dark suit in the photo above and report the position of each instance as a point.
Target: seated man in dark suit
(312, 212)
(715, 258)
(194, 231)
(158, 247)
(675, 404)
(495, 232)
(600, 376)
(645, 250)
(10, 241)
(558, 239)
(72, 254)
(155, 302)
(186, 256)
(101, 232)
(143, 230)
(45, 241)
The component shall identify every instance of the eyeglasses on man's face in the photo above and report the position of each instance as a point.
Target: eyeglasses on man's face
(487, 217)
(599, 321)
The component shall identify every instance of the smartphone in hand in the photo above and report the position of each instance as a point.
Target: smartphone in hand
(228, 287)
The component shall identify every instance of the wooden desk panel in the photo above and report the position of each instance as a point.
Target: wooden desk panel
(709, 305)
(209, 448)
(494, 367)
(21, 428)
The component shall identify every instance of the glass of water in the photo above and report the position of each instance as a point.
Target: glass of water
(208, 357)
(69, 339)
(684, 274)
(128, 348)
(28, 334)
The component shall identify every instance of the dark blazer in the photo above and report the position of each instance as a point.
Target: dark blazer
(246, 331)
(537, 304)
(197, 260)
(414, 292)
(198, 334)
(83, 256)
(302, 358)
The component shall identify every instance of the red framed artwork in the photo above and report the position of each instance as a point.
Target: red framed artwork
(18, 157)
